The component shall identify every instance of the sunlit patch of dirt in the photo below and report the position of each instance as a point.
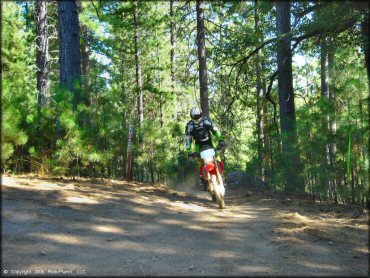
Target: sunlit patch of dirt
(62, 238)
(109, 226)
(323, 228)
(80, 200)
(108, 229)
(290, 228)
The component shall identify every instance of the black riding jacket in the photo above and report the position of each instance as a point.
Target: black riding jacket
(201, 132)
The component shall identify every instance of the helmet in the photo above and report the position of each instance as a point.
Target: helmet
(195, 113)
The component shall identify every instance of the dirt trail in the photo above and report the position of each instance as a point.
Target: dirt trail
(112, 228)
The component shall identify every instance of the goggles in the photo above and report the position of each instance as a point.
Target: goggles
(196, 117)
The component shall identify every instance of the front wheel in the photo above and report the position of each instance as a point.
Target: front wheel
(219, 193)
(214, 199)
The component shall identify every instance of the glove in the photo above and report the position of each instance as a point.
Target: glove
(222, 145)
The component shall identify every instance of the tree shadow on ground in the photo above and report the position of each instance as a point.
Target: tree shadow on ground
(144, 230)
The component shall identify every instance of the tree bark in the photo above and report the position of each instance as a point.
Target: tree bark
(129, 160)
(43, 57)
(161, 110)
(123, 88)
(203, 78)
(260, 103)
(139, 81)
(70, 56)
(151, 161)
(85, 55)
(325, 94)
(266, 132)
(327, 57)
(285, 78)
(324, 69)
(332, 126)
(293, 181)
(161, 98)
(86, 82)
(173, 44)
(365, 42)
(173, 41)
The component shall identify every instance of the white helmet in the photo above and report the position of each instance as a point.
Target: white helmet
(195, 113)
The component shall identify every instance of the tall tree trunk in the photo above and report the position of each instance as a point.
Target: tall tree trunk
(327, 56)
(161, 99)
(43, 57)
(123, 89)
(294, 181)
(285, 78)
(139, 81)
(324, 69)
(325, 94)
(70, 56)
(266, 138)
(203, 81)
(173, 57)
(161, 110)
(129, 160)
(139, 84)
(151, 161)
(85, 55)
(85, 62)
(332, 126)
(363, 155)
(260, 102)
(365, 42)
(173, 44)
(266, 131)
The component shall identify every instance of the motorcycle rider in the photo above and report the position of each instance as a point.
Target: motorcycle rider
(199, 129)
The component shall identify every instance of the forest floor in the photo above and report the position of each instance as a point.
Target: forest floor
(104, 227)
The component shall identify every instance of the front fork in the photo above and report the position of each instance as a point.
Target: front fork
(210, 184)
(219, 179)
(220, 182)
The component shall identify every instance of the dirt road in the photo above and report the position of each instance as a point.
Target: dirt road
(61, 227)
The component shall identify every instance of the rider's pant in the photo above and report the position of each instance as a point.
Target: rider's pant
(200, 161)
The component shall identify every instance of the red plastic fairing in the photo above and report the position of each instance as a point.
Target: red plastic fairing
(213, 171)
(210, 167)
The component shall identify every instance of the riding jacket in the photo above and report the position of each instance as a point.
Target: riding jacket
(201, 133)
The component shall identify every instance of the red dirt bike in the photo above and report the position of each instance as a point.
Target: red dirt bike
(212, 174)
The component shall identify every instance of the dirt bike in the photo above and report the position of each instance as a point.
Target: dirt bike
(212, 174)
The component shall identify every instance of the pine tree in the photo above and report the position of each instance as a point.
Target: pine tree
(70, 51)
(286, 98)
(43, 57)
(202, 58)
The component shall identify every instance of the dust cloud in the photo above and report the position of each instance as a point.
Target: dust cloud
(190, 183)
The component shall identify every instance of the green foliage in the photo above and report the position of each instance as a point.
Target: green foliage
(92, 137)
(11, 135)
(18, 92)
